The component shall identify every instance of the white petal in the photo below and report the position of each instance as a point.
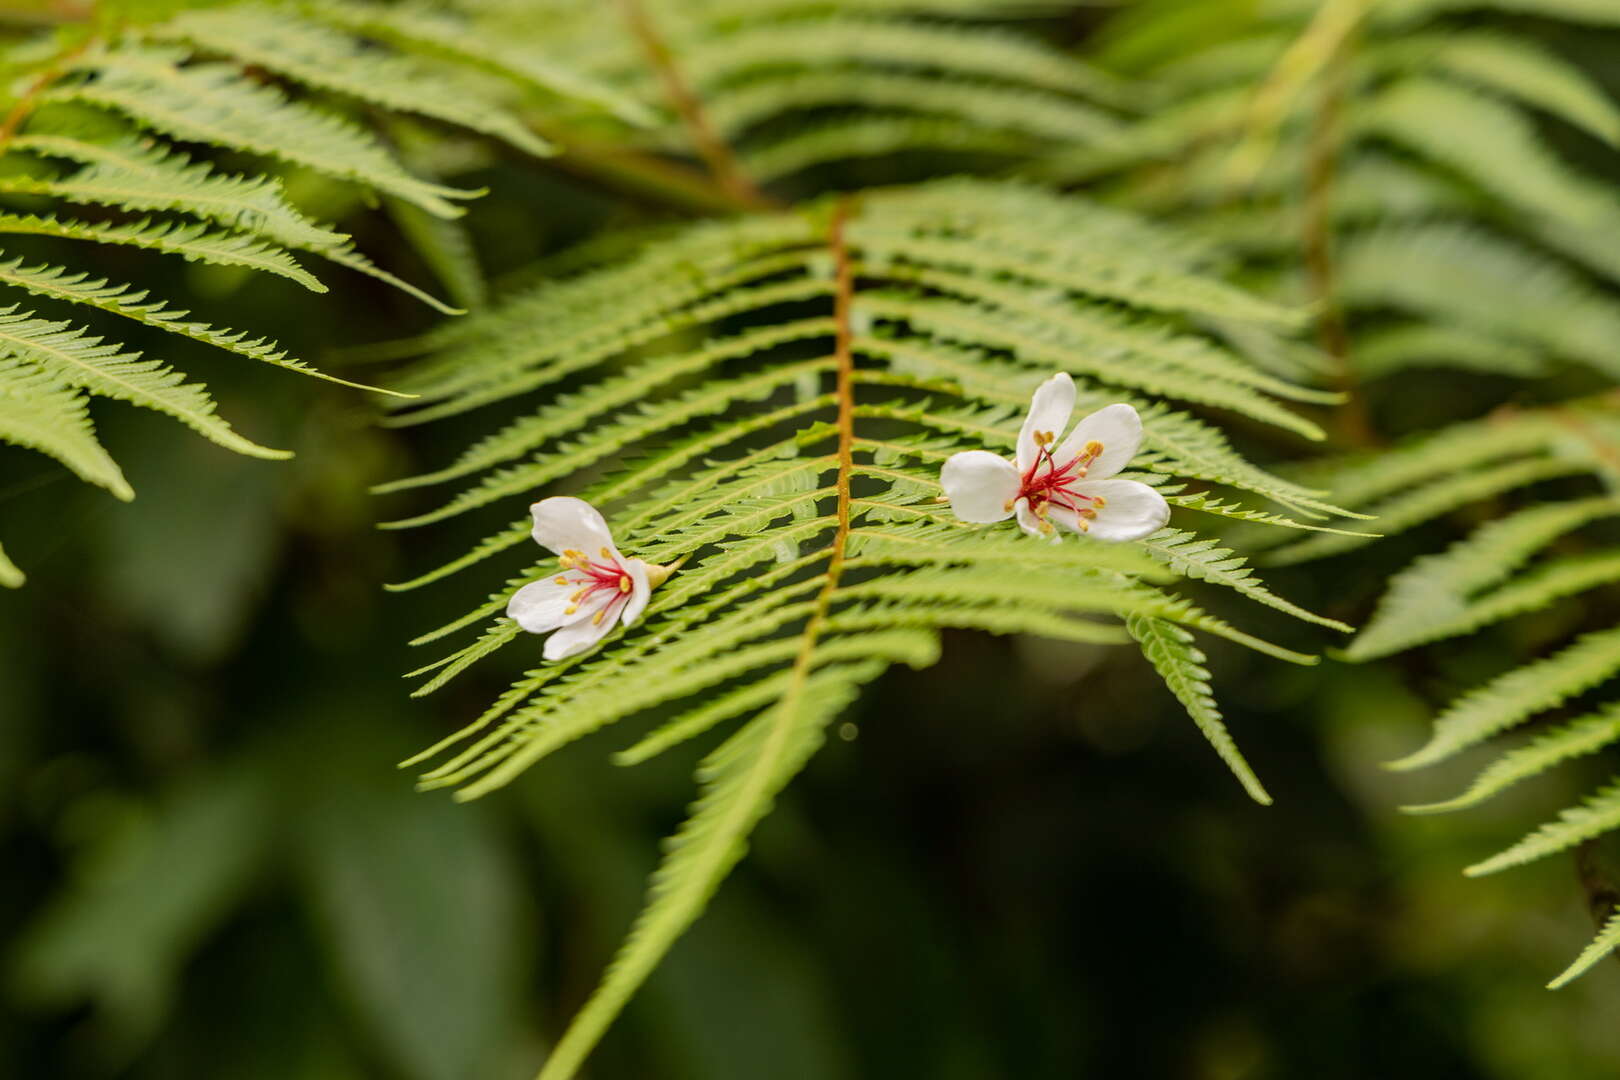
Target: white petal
(542, 605)
(1049, 411)
(979, 485)
(576, 637)
(1119, 430)
(640, 591)
(1130, 510)
(563, 522)
(1031, 523)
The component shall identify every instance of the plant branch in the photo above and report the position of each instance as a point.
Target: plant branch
(1321, 273)
(721, 162)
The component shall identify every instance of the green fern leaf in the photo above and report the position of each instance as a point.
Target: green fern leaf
(1606, 942)
(38, 412)
(314, 55)
(1517, 67)
(10, 576)
(58, 283)
(1170, 650)
(445, 35)
(1594, 817)
(1551, 581)
(76, 359)
(213, 103)
(137, 174)
(1585, 735)
(1437, 588)
(192, 242)
(1518, 695)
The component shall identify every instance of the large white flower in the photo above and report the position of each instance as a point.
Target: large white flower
(1066, 484)
(597, 588)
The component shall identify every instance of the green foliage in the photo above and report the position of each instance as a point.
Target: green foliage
(94, 124)
(1402, 155)
(797, 85)
(766, 403)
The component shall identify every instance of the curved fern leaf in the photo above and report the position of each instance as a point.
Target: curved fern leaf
(314, 55)
(77, 359)
(1607, 941)
(211, 103)
(1597, 815)
(1170, 650)
(36, 411)
(1517, 695)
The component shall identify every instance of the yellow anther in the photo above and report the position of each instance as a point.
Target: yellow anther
(1098, 502)
(1046, 526)
(1085, 526)
(1088, 512)
(624, 584)
(1044, 438)
(559, 579)
(606, 554)
(596, 620)
(577, 594)
(1093, 448)
(570, 609)
(1008, 505)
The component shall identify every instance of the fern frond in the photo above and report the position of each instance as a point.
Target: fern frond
(740, 779)
(137, 174)
(1514, 697)
(190, 242)
(1461, 275)
(306, 51)
(1585, 735)
(1548, 582)
(773, 495)
(1607, 941)
(1517, 67)
(38, 412)
(57, 283)
(212, 103)
(1597, 815)
(451, 36)
(1437, 587)
(1205, 560)
(75, 358)
(1170, 650)
(1494, 146)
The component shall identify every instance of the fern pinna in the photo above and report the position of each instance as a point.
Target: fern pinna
(1395, 163)
(1553, 546)
(766, 403)
(100, 143)
(1389, 160)
(797, 93)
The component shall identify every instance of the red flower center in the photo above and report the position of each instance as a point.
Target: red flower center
(594, 577)
(1047, 483)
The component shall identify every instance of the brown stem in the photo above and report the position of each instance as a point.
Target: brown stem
(722, 163)
(844, 354)
(1332, 333)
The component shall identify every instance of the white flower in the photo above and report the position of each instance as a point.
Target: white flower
(597, 588)
(1066, 486)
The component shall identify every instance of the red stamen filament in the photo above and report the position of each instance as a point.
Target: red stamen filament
(1055, 485)
(593, 578)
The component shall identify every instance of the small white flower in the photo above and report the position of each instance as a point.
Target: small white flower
(597, 588)
(1066, 486)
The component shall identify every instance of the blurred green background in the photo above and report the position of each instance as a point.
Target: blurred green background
(1024, 863)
